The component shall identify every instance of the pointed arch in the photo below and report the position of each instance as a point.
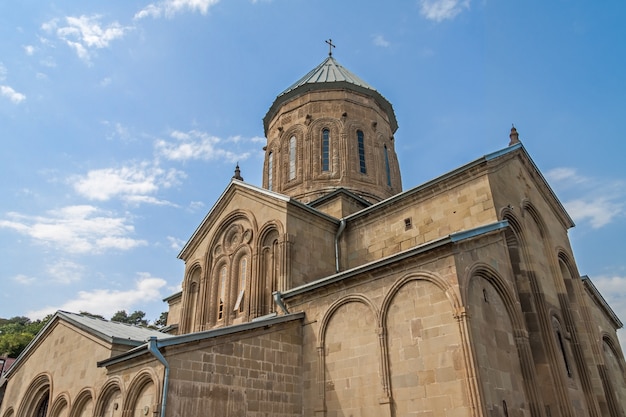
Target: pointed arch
(497, 324)
(109, 401)
(353, 298)
(83, 404)
(36, 395)
(191, 294)
(9, 412)
(325, 133)
(349, 356)
(144, 388)
(60, 404)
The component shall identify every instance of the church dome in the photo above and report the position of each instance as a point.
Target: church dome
(331, 130)
(330, 75)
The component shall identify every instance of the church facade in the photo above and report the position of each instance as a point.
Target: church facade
(330, 291)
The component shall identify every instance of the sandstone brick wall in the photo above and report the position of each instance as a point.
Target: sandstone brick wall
(251, 374)
(437, 211)
(386, 342)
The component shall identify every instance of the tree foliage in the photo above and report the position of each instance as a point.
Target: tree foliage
(136, 318)
(17, 332)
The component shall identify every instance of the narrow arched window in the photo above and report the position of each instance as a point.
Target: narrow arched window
(568, 369)
(387, 169)
(222, 294)
(243, 275)
(292, 158)
(270, 170)
(325, 150)
(359, 138)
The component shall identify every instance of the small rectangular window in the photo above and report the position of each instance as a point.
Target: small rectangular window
(325, 150)
(361, 144)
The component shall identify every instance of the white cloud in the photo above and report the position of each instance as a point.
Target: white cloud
(197, 145)
(564, 174)
(599, 212)
(29, 49)
(176, 243)
(379, 40)
(11, 94)
(613, 290)
(108, 302)
(65, 272)
(135, 183)
(439, 10)
(169, 8)
(196, 205)
(24, 279)
(85, 33)
(598, 201)
(76, 229)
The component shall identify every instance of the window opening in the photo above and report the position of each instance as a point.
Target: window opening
(270, 170)
(408, 223)
(42, 409)
(505, 409)
(292, 158)
(387, 170)
(562, 346)
(222, 294)
(325, 149)
(243, 273)
(359, 135)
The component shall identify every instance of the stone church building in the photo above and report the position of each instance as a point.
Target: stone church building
(330, 291)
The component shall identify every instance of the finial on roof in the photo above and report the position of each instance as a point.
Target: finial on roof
(514, 136)
(330, 46)
(237, 175)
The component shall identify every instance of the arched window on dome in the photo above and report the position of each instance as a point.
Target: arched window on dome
(292, 158)
(270, 170)
(243, 276)
(387, 169)
(222, 293)
(325, 150)
(361, 144)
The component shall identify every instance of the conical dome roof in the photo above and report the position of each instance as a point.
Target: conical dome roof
(329, 75)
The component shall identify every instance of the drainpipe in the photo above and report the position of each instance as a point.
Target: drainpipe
(278, 299)
(154, 349)
(342, 225)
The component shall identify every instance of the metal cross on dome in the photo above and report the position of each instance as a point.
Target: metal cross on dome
(330, 47)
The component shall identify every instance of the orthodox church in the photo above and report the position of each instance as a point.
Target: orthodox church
(331, 291)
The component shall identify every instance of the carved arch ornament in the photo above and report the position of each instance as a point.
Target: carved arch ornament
(83, 398)
(37, 390)
(380, 315)
(61, 402)
(111, 387)
(144, 378)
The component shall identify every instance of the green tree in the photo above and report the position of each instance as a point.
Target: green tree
(136, 318)
(95, 316)
(161, 321)
(17, 332)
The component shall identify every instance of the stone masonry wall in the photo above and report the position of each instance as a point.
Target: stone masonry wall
(253, 374)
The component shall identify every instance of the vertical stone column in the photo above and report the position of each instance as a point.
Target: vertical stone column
(531, 385)
(462, 318)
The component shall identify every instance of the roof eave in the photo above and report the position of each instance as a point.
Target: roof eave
(331, 85)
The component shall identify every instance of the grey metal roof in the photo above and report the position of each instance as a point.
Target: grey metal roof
(329, 71)
(111, 331)
(327, 75)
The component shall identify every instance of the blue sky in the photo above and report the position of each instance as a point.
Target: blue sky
(121, 122)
